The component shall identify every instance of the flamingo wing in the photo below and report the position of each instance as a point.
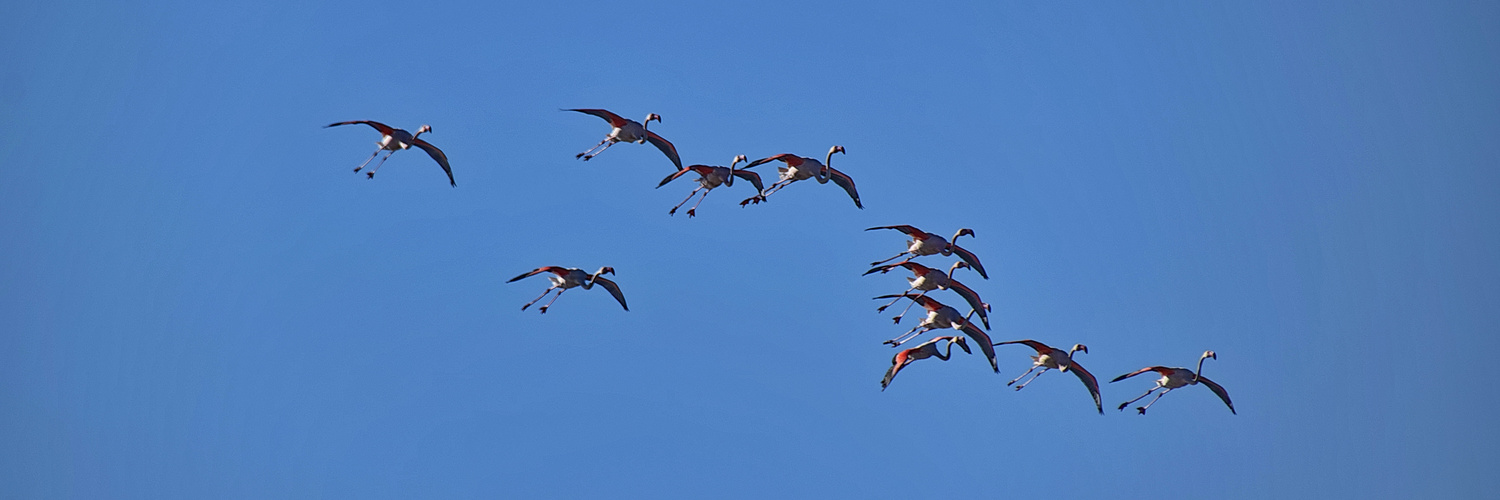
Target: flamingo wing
(846, 182)
(613, 290)
(436, 154)
(973, 299)
(1159, 369)
(972, 259)
(560, 271)
(883, 269)
(927, 303)
(666, 148)
(1040, 347)
(786, 157)
(613, 119)
(1090, 382)
(909, 230)
(1218, 389)
(676, 174)
(380, 127)
(898, 362)
(985, 344)
(753, 177)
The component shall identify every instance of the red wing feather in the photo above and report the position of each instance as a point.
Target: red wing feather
(846, 182)
(613, 119)
(552, 269)
(380, 127)
(666, 148)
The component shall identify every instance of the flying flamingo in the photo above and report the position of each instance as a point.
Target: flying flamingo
(943, 316)
(928, 279)
(626, 130)
(926, 350)
(1048, 357)
(799, 168)
(393, 139)
(570, 277)
(1172, 378)
(925, 243)
(711, 177)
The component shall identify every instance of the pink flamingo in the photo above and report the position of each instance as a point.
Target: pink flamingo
(1172, 378)
(1048, 357)
(625, 130)
(710, 177)
(943, 316)
(393, 139)
(571, 277)
(925, 243)
(800, 168)
(928, 279)
(926, 350)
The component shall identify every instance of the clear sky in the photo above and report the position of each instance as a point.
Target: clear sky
(200, 300)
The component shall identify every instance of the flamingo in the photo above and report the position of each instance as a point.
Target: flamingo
(1048, 357)
(711, 177)
(925, 243)
(928, 279)
(925, 350)
(943, 316)
(626, 130)
(1172, 378)
(570, 277)
(800, 168)
(393, 139)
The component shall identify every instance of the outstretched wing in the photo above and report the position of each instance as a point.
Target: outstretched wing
(1159, 369)
(897, 363)
(844, 181)
(1090, 382)
(985, 344)
(613, 119)
(753, 177)
(676, 174)
(666, 148)
(909, 230)
(972, 298)
(789, 158)
(1218, 389)
(613, 290)
(548, 269)
(885, 268)
(436, 154)
(381, 127)
(969, 257)
(1040, 347)
(927, 303)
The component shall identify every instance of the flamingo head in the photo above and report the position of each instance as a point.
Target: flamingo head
(424, 129)
(1078, 347)
(963, 343)
(962, 232)
(605, 270)
(737, 159)
(653, 116)
(836, 149)
(1209, 354)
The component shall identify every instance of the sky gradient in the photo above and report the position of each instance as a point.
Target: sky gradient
(200, 299)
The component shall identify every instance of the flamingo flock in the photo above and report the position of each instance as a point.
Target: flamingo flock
(926, 282)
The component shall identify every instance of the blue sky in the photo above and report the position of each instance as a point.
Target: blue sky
(201, 301)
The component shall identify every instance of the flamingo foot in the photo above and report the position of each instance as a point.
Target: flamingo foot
(356, 169)
(881, 309)
(692, 212)
(369, 175)
(587, 157)
(753, 200)
(896, 320)
(542, 309)
(579, 155)
(1141, 409)
(673, 211)
(1123, 405)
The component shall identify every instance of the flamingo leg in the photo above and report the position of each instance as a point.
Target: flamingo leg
(691, 211)
(761, 196)
(897, 319)
(539, 297)
(1023, 375)
(590, 150)
(911, 334)
(371, 173)
(1148, 393)
(685, 200)
(543, 309)
(607, 143)
(890, 259)
(1142, 409)
(367, 160)
(895, 300)
(1033, 377)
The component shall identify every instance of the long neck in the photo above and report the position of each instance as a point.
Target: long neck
(955, 267)
(945, 356)
(1199, 374)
